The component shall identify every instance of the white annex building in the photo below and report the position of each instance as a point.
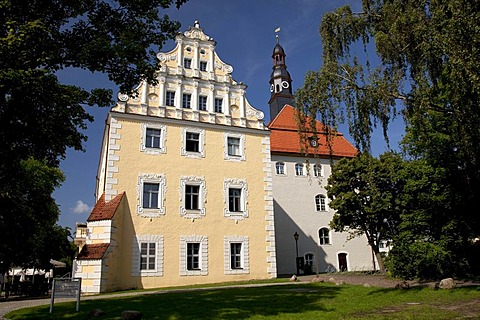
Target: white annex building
(299, 177)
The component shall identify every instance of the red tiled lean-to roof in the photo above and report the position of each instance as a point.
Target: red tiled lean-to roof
(284, 137)
(93, 251)
(105, 210)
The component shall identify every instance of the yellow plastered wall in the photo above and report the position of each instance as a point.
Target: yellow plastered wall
(214, 169)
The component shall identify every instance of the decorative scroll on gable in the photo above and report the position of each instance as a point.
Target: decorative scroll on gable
(196, 32)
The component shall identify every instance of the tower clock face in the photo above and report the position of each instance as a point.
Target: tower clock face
(285, 84)
(271, 88)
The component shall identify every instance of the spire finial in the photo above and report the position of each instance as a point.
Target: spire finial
(276, 35)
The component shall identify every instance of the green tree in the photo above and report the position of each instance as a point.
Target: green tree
(40, 118)
(420, 61)
(430, 244)
(364, 191)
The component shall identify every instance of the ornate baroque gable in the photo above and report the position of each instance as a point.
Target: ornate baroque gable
(194, 84)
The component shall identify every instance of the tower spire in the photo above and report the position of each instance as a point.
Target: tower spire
(280, 81)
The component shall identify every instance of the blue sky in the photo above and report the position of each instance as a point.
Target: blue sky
(244, 31)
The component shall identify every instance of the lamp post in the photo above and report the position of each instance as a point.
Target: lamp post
(295, 236)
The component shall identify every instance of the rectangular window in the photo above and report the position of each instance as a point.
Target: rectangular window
(150, 195)
(318, 170)
(299, 169)
(202, 103)
(234, 200)
(203, 65)
(170, 98)
(233, 146)
(236, 256)
(192, 193)
(192, 143)
(218, 105)
(280, 167)
(193, 256)
(187, 63)
(187, 98)
(147, 255)
(152, 138)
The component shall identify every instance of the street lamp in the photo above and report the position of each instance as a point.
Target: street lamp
(295, 235)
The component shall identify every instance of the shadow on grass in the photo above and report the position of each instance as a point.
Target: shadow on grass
(236, 303)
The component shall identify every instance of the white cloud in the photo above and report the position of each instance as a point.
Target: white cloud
(81, 207)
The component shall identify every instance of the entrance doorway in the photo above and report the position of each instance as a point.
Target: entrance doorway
(342, 262)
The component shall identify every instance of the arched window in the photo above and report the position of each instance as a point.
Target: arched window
(320, 202)
(280, 168)
(299, 169)
(318, 170)
(324, 236)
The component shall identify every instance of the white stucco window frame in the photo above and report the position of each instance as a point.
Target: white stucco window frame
(203, 240)
(245, 256)
(201, 143)
(136, 255)
(198, 181)
(241, 137)
(151, 178)
(239, 184)
(163, 137)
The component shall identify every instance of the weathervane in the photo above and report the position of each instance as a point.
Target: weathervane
(276, 33)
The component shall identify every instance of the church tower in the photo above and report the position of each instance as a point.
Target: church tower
(280, 83)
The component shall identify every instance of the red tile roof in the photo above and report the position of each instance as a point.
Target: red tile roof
(93, 251)
(105, 210)
(285, 137)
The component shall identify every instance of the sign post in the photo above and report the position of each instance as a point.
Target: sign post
(66, 288)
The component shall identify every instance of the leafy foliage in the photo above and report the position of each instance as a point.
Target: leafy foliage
(40, 118)
(420, 61)
(365, 193)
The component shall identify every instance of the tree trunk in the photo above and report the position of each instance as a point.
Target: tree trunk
(381, 265)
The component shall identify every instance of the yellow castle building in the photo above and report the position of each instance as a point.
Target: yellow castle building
(184, 185)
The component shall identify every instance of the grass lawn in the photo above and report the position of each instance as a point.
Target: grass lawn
(300, 301)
